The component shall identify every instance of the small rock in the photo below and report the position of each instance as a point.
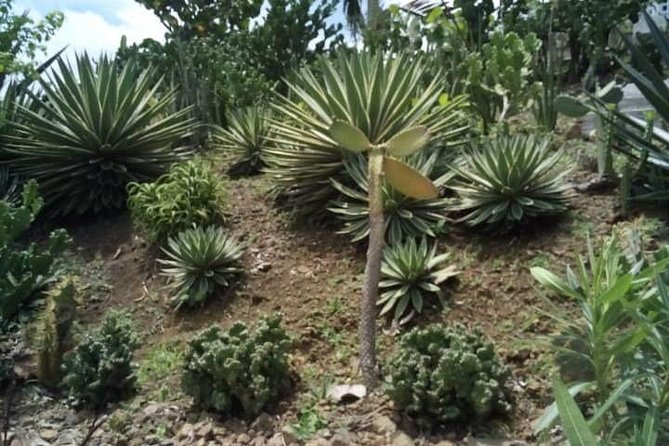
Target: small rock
(276, 440)
(384, 425)
(48, 434)
(263, 424)
(187, 430)
(167, 442)
(204, 430)
(264, 266)
(289, 436)
(319, 441)
(152, 439)
(346, 394)
(402, 439)
(151, 410)
(445, 443)
(243, 438)
(342, 437)
(258, 441)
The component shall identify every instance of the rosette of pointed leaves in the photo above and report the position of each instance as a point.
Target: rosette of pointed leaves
(98, 127)
(200, 261)
(508, 180)
(246, 136)
(444, 374)
(380, 95)
(404, 217)
(410, 273)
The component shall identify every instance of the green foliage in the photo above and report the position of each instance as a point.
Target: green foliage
(96, 130)
(617, 349)
(511, 179)
(403, 216)
(53, 336)
(227, 54)
(22, 38)
(191, 193)
(445, 374)
(238, 371)
(247, 136)
(24, 270)
(411, 272)
(499, 76)
(9, 186)
(200, 261)
(99, 370)
(355, 89)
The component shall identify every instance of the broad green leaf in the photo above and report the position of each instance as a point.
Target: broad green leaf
(409, 141)
(573, 422)
(408, 181)
(349, 137)
(551, 413)
(570, 106)
(550, 280)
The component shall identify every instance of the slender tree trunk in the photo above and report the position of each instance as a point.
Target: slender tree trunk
(373, 11)
(370, 286)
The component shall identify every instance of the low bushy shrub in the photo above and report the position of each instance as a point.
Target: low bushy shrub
(24, 270)
(238, 371)
(200, 261)
(99, 370)
(444, 374)
(190, 193)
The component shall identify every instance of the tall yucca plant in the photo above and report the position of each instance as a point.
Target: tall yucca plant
(97, 128)
(379, 95)
(372, 103)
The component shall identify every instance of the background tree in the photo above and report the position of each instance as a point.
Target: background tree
(22, 39)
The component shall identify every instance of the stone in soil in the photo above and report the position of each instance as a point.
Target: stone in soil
(48, 434)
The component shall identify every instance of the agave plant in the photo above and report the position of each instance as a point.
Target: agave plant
(405, 217)
(410, 272)
(510, 179)
(379, 95)
(247, 136)
(200, 261)
(97, 128)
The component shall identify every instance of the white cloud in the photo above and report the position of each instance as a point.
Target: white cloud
(90, 31)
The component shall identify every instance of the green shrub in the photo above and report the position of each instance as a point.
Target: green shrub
(93, 130)
(99, 370)
(410, 272)
(247, 135)
(404, 217)
(238, 371)
(24, 270)
(443, 374)
(509, 180)
(200, 261)
(190, 193)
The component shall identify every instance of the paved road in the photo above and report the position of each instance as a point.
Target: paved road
(633, 103)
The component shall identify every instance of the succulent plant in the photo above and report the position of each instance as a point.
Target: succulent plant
(200, 261)
(404, 217)
(100, 370)
(358, 89)
(411, 271)
(508, 180)
(238, 371)
(445, 374)
(247, 136)
(96, 128)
